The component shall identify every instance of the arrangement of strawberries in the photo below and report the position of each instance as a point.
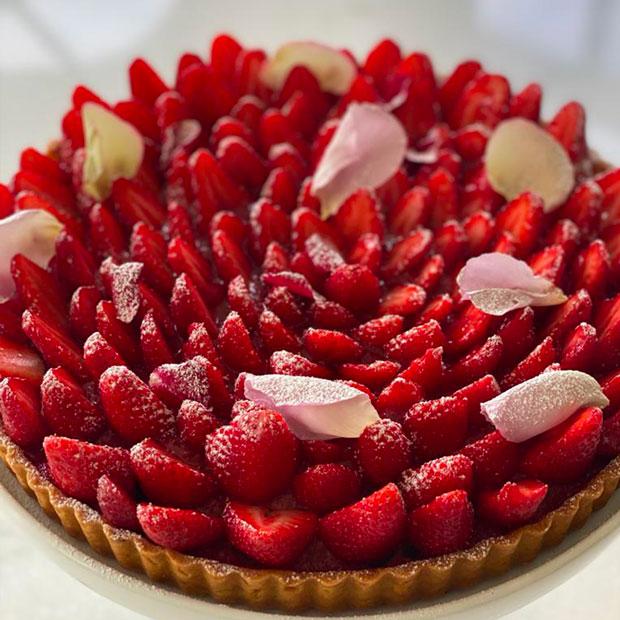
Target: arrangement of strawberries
(146, 420)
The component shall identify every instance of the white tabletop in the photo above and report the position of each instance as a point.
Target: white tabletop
(47, 46)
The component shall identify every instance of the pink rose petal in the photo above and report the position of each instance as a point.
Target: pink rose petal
(293, 281)
(497, 283)
(33, 233)
(313, 408)
(366, 150)
(125, 293)
(541, 403)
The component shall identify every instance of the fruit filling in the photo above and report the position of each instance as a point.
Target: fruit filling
(313, 312)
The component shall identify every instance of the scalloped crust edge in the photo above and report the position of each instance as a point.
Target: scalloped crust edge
(324, 591)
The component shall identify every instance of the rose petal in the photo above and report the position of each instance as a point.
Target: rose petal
(125, 293)
(521, 156)
(541, 403)
(179, 135)
(114, 149)
(497, 283)
(291, 280)
(366, 150)
(313, 408)
(334, 70)
(33, 233)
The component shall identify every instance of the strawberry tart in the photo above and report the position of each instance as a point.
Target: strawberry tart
(308, 331)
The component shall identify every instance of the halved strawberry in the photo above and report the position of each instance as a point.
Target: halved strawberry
(580, 348)
(609, 446)
(414, 342)
(411, 210)
(538, 359)
(331, 346)
(517, 334)
(76, 466)
(174, 383)
(236, 347)
(405, 300)
(179, 528)
(99, 354)
(358, 215)
(155, 348)
(119, 334)
(107, 236)
(137, 204)
(522, 218)
(242, 301)
(576, 309)
(194, 422)
(344, 284)
(228, 257)
(443, 525)
(328, 314)
(565, 452)
(20, 410)
(592, 269)
(367, 251)
(378, 332)
(384, 451)
(368, 530)
(568, 128)
(83, 311)
(549, 263)
(395, 399)
(268, 223)
(287, 363)
(133, 410)
(17, 360)
(167, 480)
(513, 504)
(447, 473)
(584, 207)
(495, 459)
(74, 263)
(451, 242)
(253, 457)
(480, 361)
(187, 306)
(324, 487)
(375, 375)
(437, 427)
(274, 335)
(476, 393)
(274, 538)
(427, 370)
(469, 328)
(407, 254)
(117, 506)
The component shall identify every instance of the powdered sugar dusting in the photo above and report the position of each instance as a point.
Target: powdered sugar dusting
(541, 403)
(125, 294)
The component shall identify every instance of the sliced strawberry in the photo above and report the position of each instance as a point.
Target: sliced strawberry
(414, 342)
(120, 335)
(331, 346)
(228, 257)
(174, 383)
(384, 451)
(375, 375)
(357, 216)
(522, 218)
(427, 370)
(331, 315)
(20, 411)
(451, 242)
(368, 530)
(166, 479)
(274, 335)
(541, 357)
(407, 254)
(584, 207)
(437, 427)
(480, 361)
(549, 263)
(344, 284)
(274, 538)
(443, 525)
(565, 452)
(137, 204)
(568, 128)
(294, 282)
(517, 334)
(609, 445)
(319, 451)
(326, 487)
(242, 301)
(378, 332)
(67, 409)
(526, 103)
(76, 466)
(276, 258)
(287, 363)
(106, 234)
(512, 505)
(194, 422)
(305, 223)
(565, 233)
(367, 251)
(607, 323)
(455, 83)
(83, 311)
(412, 210)
(448, 473)
(495, 459)
(99, 354)
(576, 309)
(395, 400)
(74, 263)
(476, 393)
(469, 328)
(268, 223)
(16, 360)
(133, 410)
(117, 506)
(236, 347)
(484, 99)
(178, 528)
(592, 269)
(155, 348)
(254, 457)
(580, 348)
(405, 300)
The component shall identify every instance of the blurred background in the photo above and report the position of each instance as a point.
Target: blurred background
(572, 47)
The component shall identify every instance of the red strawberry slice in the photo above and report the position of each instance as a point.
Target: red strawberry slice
(455, 83)
(443, 525)
(584, 207)
(144, 82)
(344, 284)
(326, 487)
(117, 506)
(235, 228)
(179, 528)
(568, 128)
(405, 300)
(384, 451)
(451, 242)
(305, 223)
(378, 332)
(609, 445)
(480, 361)
(56, 347)
(99, 354)
(174, 383)
(287, 363)
(476, 393)
(437, 427)
(135, 203)
(512, 505)
(592, 269)
(484, 99)
(180, 222)
(542, 356)
(517, 334)
(76, 466)
(323, 255)
(74, 263)
(236, 347)
(374, 375)
(407, 254)
(120, 335)
(268, 223)
(228, 257)
(67, 409)
(367, 251)
(470, 141)
(187, 306)
(319, 451)
(276, 258)
(20, 410)
(526, 103)
(274, 335)
(331, 315)
(194, 422)
(565, 233)
(448, 473)
(166, 479)
(576, 309)
(479, 229)
(274, 538)
(412, 210)
(522, 218)
(580, 348)
(106, 233)
(427, 370)
(148, 247)
(357, 216)
(242, 301)
(155, 348)
(549, 263)
(368, 530)
(241, 163)
(294, 282)
(16, 360)
(565, 452)
(495, 459)
(469, 328)
(133, 410)
(331, 346)
(610, 385)
(414, 342)
(254, 457)
(439, 309)
(83, 310)
(396, 399)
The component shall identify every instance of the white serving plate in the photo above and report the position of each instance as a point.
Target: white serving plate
(490, 599)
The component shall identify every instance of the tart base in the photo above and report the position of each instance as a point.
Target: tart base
(324, 591)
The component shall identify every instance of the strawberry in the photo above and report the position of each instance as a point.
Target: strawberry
(83, 310)
(414, 342)
(367, 251)
(137, 204)
(470, 142)
(368, 530)
(74, 263)
(254, 457)
(412, 210)
(526, 103)
(455, 83)
(194, 422)
(236, 347)
(119, 334)
(67, 409)
(174, 383)
(609, 445)
(118, 508)
(517, 334)
(584, 207)
(592, 269)
(17, 360)
(20, 411)
(469, 328)
(576, 309)
(357, 216)
(448, 473)
(331, 346)
(564, 453)
(378, 332)
(476, 393)
(451, 242)
(374, 375)
(405, 300)
(479, 229)
(106, 233)
(155, 349)
(274, 538)
(294, 282)
(344, 283)
(437, 427)
(480, 361)
(187, 306)
(148, 247)
(580, 348)
(427, 369)
(331, 315)
(99, 354)
(319, 451)
(166, 479)
(513, 504)
(395, 400)
(541, 357)
(407, 254)
(133, 410)
(384, 451)
(287, 363)
(607, 325)
(325, 487)
(443, 525)
(76, 466)
(549, 263)
(145, 84)
(228, 257)
(495, 459)
(242, 301)
(565, 233)
(522, 218)
(276, 258)
(241, 163)
(484, 99)
(568, 128)
(268, 223)
(275, 336)
(178, 528)
(610, 385)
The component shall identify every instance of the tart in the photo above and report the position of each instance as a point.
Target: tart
(299, 331)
